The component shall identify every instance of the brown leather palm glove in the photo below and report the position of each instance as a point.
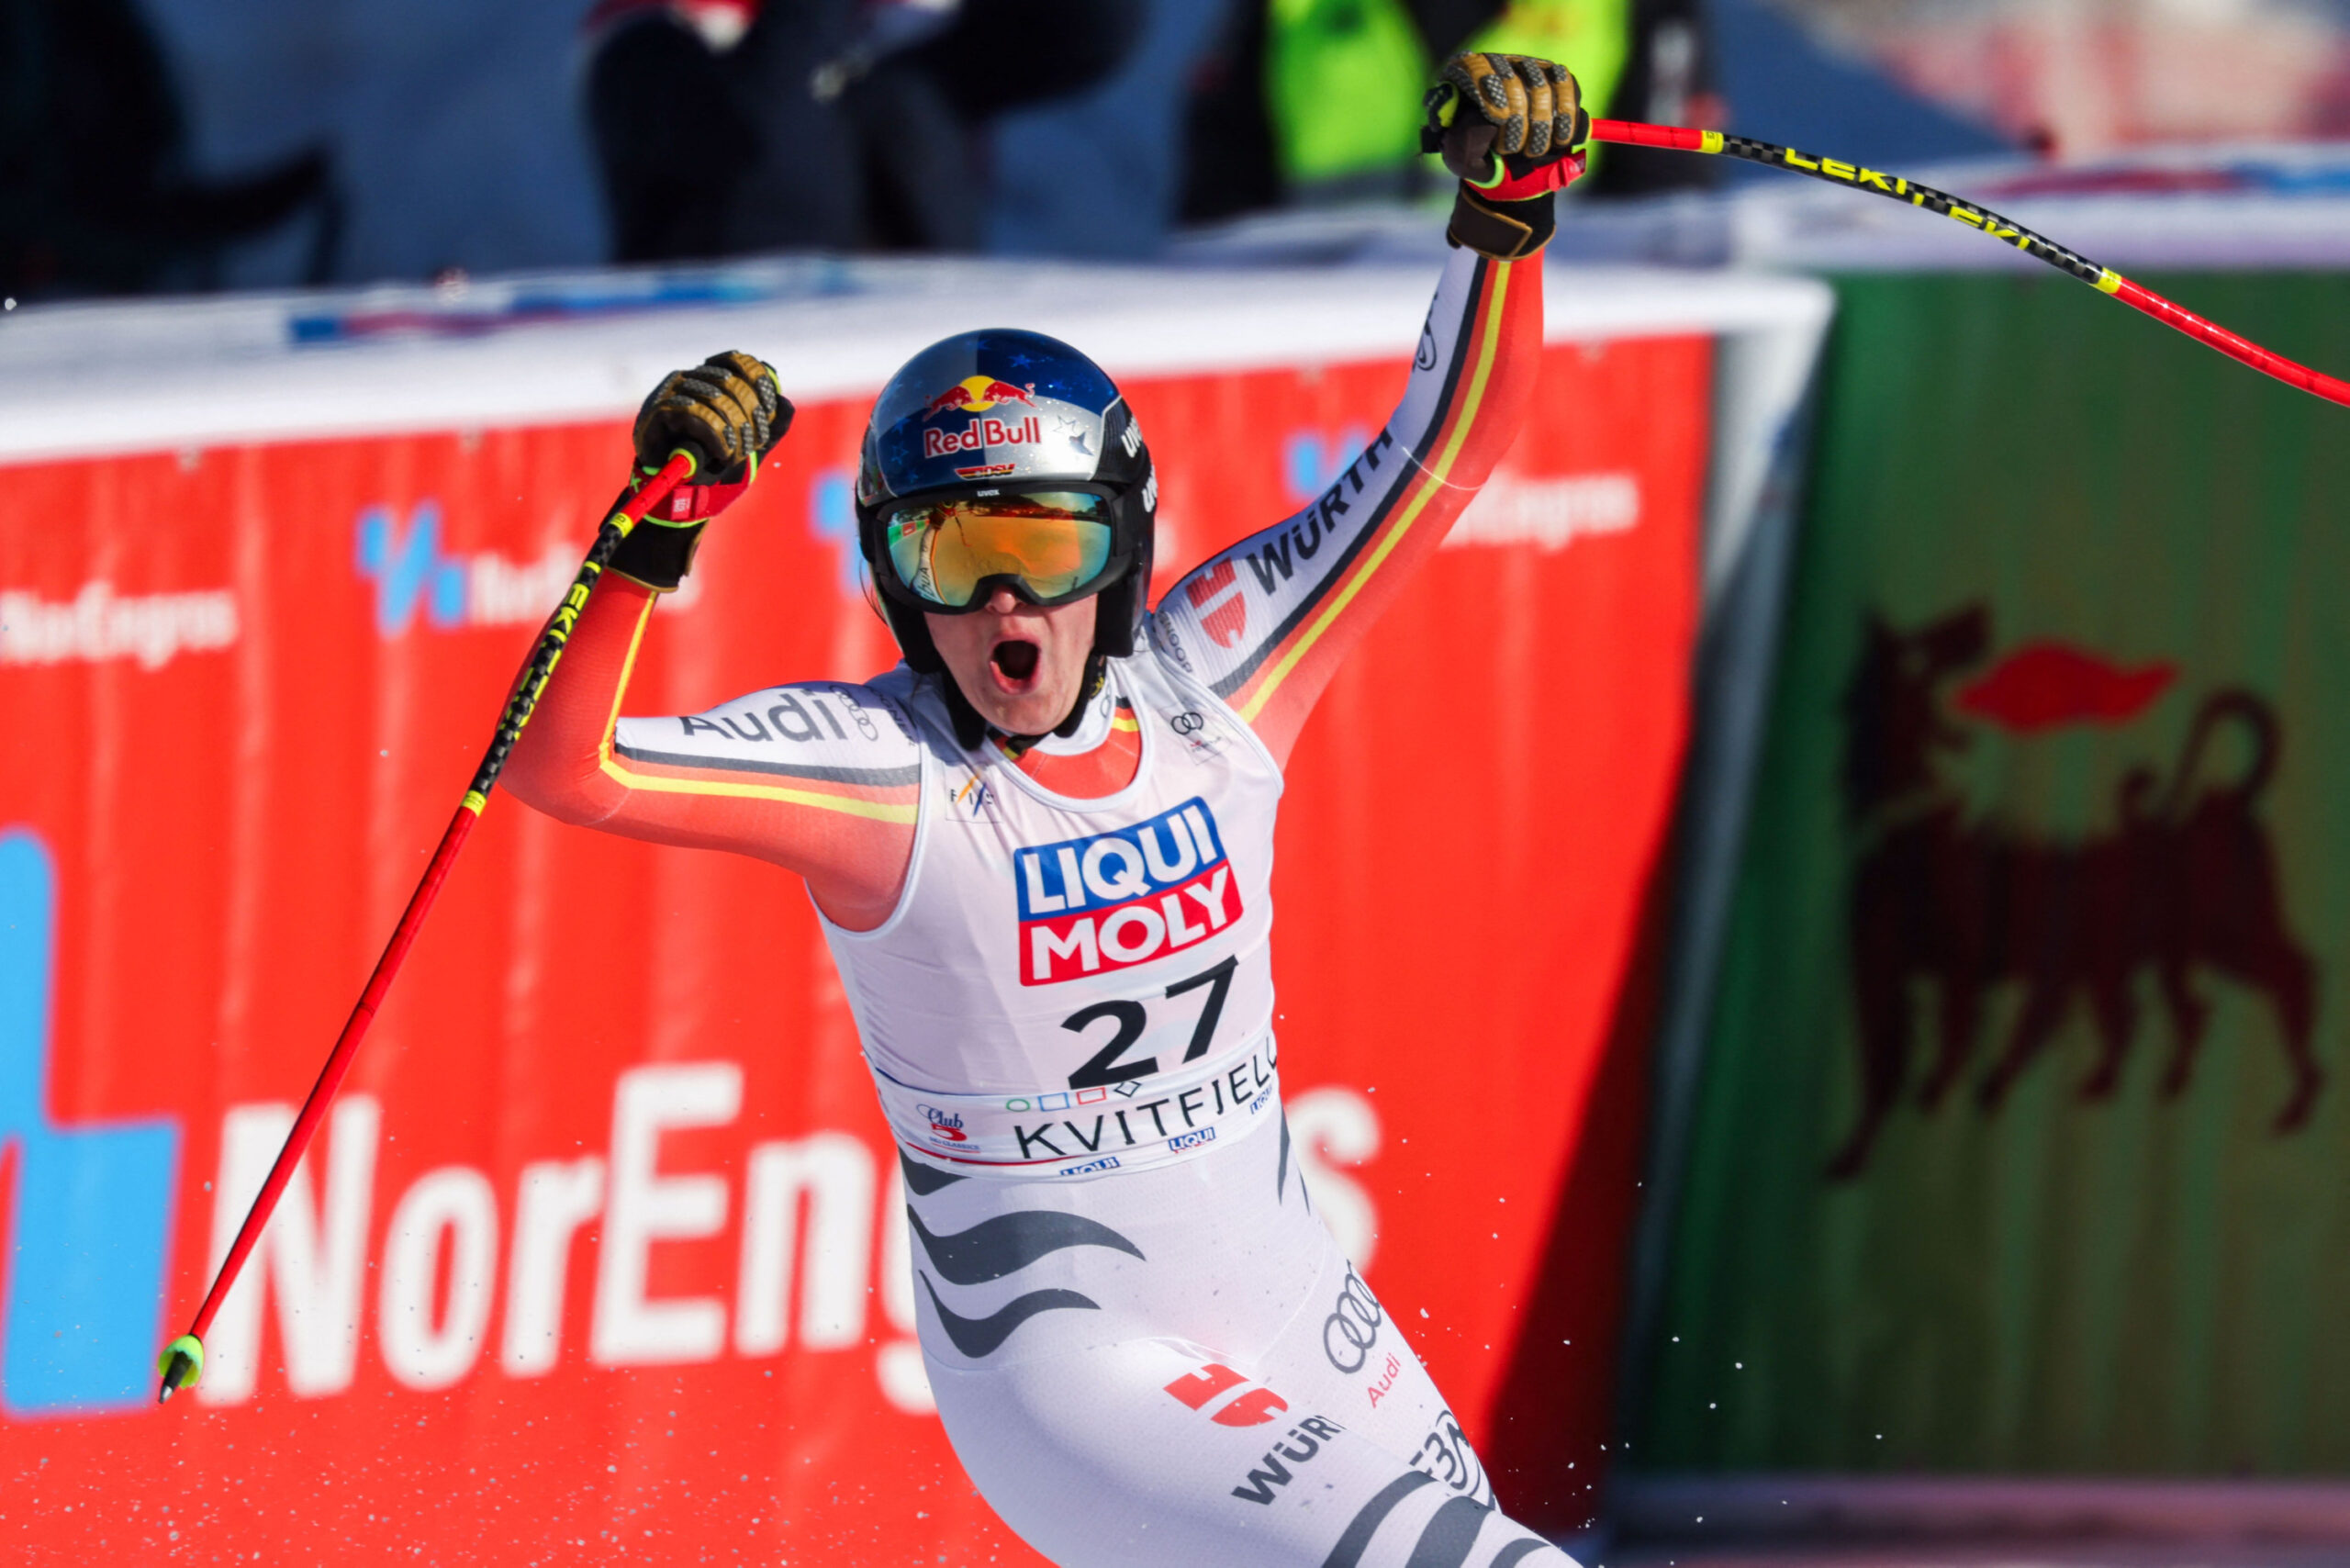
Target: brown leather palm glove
(723, 412)
(1512, 128)
(729, 413)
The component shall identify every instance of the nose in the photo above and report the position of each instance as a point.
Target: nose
(1003, 601)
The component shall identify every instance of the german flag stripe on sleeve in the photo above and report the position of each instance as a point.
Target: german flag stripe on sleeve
(1264, 623)
(825, 746)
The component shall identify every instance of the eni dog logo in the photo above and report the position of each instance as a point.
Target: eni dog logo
(2184, 882)
(1114, 899)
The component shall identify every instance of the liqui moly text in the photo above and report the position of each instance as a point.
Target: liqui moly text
(1124, 898)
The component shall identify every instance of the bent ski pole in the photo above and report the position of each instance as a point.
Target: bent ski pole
(1680, 139)
(1684, 139)
(182, 1362)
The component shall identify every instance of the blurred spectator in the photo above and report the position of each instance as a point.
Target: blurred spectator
(727, 127)
(1101, 173)
(1668, 79)
(1784, 82)
(94, 194)
(454, 125)
(1230, 166)
(1262, 129)
(2083, 76)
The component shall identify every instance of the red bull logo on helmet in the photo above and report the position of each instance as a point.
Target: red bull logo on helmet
(981, 433)
(1114, 899)
(977, 395)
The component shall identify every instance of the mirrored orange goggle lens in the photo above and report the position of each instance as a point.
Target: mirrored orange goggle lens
(1053, 542)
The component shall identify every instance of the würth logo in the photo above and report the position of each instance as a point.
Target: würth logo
(1223, 607)
(2183, 885)
(1124, 898)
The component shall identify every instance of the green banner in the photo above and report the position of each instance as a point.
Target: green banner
(2022, 1142)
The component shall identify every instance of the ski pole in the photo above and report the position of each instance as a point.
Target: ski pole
(182, 1362)
(1858, 176)
(1680, 139)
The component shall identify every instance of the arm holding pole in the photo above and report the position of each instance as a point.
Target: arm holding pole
(183, 1361)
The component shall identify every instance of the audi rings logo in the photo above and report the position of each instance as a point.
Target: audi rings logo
(1188, 723)
(1352, 1327)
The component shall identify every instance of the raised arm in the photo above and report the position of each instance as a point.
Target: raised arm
(819, 778)
(1265, 622)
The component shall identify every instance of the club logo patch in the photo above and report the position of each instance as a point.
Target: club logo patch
(1088, 905)
(946, 1126)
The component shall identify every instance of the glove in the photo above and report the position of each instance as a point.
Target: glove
(723, 412)
(1519, 139)
(728, 413)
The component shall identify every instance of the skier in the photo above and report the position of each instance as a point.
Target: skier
(1041, 851)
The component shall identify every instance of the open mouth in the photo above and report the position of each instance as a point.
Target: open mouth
(1014, 663)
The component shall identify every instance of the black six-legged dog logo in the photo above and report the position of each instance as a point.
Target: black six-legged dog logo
(1948, 905)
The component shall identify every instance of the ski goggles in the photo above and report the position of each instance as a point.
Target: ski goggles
(1049, 547)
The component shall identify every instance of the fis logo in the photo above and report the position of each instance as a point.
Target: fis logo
(1088, 905)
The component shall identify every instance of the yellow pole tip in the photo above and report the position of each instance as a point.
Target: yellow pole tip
(180, 1364)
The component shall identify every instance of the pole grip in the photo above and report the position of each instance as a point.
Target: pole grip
(1631, 133)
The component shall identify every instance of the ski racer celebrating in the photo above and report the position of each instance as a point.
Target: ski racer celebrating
(1041, 849)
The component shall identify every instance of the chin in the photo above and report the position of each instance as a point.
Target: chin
(1021, 669)
(1029, 713)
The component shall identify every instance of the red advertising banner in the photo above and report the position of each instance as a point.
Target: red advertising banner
(601, 1255)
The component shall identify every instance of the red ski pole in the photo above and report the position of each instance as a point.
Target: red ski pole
(182, 1362)
(1860, 177)
(1682, 139)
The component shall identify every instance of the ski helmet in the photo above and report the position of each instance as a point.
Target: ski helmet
(1000, 411)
